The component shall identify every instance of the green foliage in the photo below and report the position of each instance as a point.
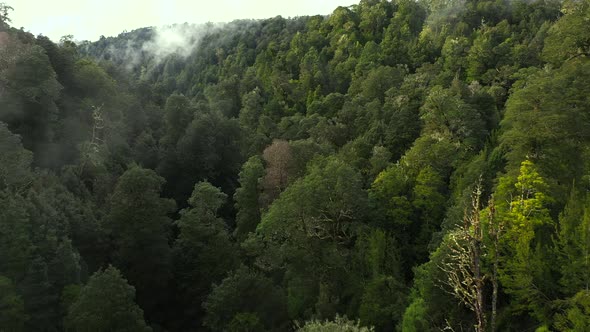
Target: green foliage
(209, 149)
(573, 244)
(329, 198)
(32, 77)
(203, 252)
(106, 303)
(390, 190)
(12, 311)
(541, 110)
(568, 37)
(15, 161)
(445, 115)
(138, 223)
(415, 317)
(246, 297)
(92, 81)
(378, 307)
(4, 19)
(245, 322)
(247, 197)
(526, 262)
(328, 156)
(575, 317)
(338, 324)
(323, 210)
(178, 115)
(39, 299)
(16, 247)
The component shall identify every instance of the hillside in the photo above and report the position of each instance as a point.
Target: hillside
(397, 165)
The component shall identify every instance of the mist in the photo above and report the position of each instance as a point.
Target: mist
(150, 45)
(177, 39)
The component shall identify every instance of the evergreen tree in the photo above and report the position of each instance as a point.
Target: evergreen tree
(203, 252)
(247, 197)
(106, 303)
(12, 310)
(139, 226)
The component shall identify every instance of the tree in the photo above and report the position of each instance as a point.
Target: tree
(252, 109)
(576, 314)
(339, 324)
(4, 19)
(311, 73)
(544, 105)
(415, 317)
(429, 201)
(106, 303)
(495, 231)
(278, 158)
(12, 311)
(247, 197)
(139, 225)
(91, 81)
(64, 269)
(15, 161)
(380, 80)
(178, 115)
(379, 160)
(374, 17)
(383, 302)
(210, 149)
(464, 266)
(389, 192)
(569, 37)
(16, 247)
(573, 244)
(525, 260)
(446, 115)
(203, 252)
(325, 204)
(246, 292)
(309, 231)
(384, 293)
(41, 302)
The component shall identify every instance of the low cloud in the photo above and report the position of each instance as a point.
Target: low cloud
(151, 45)
(178, 39)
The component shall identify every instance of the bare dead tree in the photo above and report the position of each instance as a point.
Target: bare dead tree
(279, 161)
(494, 232)
(463, 267)
(92, 148)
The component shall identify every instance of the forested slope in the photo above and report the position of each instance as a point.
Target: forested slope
(411, 165)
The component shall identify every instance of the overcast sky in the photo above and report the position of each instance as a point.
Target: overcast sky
(90, 19)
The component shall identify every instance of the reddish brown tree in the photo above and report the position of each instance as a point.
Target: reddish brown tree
(279, 164)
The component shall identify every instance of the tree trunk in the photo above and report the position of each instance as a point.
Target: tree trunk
(495, 235)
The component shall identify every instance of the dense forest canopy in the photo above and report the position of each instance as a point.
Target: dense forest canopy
(393, 166)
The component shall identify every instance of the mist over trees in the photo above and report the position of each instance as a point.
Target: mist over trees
(393, 166)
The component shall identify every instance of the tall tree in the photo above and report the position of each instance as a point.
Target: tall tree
(247, 197)
(203, 252)
(279, 160)
(4, 18)
(15, 161)
(246, 293)
(464, 267)
(573, 244)
(139, 226)
(525, 266)
(12, 310)
(106, 303)
(41, 302)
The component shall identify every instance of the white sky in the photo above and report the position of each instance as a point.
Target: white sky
(90, 19)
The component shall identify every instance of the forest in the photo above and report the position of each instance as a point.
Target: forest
(404, 165)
